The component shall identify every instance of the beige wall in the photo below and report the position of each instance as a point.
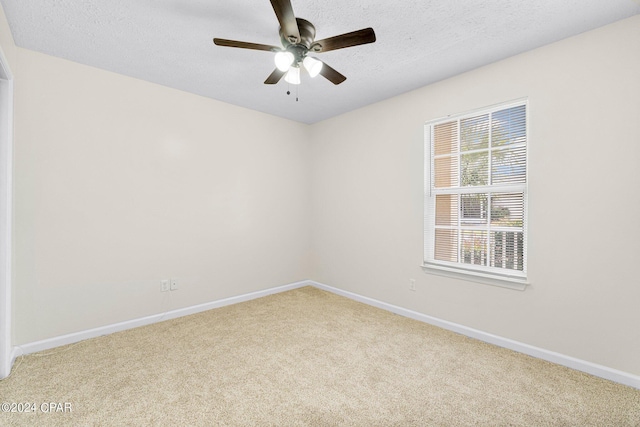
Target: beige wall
(584, 178)
(121, 183)
(6, 39)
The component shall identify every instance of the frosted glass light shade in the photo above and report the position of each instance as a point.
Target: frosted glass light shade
(293, 76)
(283, 60)
(313, 66)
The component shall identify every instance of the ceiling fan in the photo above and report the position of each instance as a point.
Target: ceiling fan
(297, 36)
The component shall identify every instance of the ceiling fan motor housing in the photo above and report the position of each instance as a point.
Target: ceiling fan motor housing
(307, 35)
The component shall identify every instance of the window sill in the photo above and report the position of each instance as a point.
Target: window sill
(515, 283)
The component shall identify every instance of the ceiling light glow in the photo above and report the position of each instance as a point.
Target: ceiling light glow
(293, 76)
(284, 60)
(312, 65)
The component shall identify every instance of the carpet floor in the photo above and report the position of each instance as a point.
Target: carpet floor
(304, 357)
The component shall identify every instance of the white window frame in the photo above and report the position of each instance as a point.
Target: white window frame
(513, 279)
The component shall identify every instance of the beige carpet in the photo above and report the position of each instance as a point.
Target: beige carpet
(305, 358)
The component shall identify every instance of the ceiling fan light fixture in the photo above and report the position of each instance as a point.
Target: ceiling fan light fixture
(284, 60)
(312, 65)
(293, 76)
(298, 38)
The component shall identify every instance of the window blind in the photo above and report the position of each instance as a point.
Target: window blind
(475, 210)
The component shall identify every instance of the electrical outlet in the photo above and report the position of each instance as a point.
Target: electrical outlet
(174, 284)
(164, 285)
(412, 284)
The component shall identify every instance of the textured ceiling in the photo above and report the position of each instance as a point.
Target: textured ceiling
(418, 42)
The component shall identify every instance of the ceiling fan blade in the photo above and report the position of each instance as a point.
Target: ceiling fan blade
(330, 74)
(274, 77)
(354, 38)
(287, 20)
(246, 45)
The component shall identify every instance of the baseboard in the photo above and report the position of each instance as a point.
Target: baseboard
(12, 358)
(50, 343)
(7, 363)
(540, 353)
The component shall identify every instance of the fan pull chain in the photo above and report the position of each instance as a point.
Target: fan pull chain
(289, 91)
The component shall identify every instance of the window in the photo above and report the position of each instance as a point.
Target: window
(476, 195)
